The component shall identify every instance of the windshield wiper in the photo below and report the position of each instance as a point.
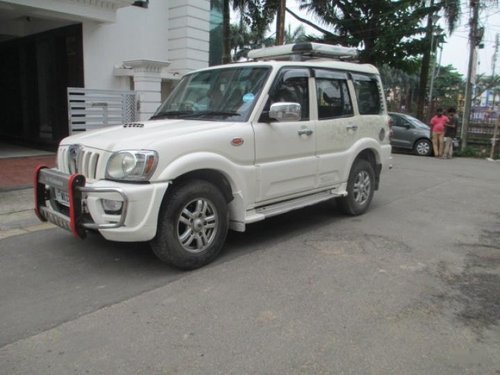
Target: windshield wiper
(213, 113)
(171, 114)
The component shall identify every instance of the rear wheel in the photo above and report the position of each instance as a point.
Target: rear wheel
(360, 188)
(423, 147)
(193, 225)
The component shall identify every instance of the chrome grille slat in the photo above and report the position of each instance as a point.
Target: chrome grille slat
(63, 159)
(94, 160)
(87, 162)
(84, 165)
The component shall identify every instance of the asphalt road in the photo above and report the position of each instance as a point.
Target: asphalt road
(411, 287)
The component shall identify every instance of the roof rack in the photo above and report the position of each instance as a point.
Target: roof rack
(303, 52)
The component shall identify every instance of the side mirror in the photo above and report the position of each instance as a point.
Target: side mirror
(285, 111)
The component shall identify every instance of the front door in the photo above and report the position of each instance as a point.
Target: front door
(401, 132)
(285, 151)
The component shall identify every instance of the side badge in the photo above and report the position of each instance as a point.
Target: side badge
(237, 141)
(381, 135)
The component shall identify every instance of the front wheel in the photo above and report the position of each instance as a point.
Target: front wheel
(360, 188)
(423, 147)
(193, 225)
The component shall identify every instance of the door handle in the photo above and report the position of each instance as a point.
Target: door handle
(352, 127)
(305, 131)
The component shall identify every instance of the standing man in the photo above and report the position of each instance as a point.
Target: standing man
(437, 127)
(450, 132)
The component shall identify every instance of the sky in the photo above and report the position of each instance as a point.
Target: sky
(456, 49)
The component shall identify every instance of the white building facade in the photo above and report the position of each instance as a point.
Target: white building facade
(49, 45)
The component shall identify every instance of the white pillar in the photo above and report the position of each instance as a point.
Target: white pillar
(147, 76)
(188, 35)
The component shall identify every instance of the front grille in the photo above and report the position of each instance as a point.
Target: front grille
(85, 161)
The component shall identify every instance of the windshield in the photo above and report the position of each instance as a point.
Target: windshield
(218, 94)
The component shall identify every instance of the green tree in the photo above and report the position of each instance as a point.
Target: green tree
(485, 83)
(387, 32)
(400, 87)
(296, 35)
(448, 87)
(243, 39)
(433, 37)
(254, 14)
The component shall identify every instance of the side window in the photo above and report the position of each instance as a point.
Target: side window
(368, 94)
(293, 86)
(333, 98)
(401, 122)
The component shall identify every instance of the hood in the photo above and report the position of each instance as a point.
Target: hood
(141, 134)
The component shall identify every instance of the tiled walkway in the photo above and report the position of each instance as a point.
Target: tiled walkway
(18, 163)
(17, 173)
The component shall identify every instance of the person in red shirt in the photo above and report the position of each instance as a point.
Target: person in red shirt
(438, 123)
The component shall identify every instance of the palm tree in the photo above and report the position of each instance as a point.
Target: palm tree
(294, 36)
(243, 40)
(257, 14)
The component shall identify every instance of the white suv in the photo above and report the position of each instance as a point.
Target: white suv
(232, 145)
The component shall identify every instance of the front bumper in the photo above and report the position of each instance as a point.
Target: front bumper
(83, 209)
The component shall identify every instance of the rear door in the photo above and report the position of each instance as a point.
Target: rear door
(337, 129)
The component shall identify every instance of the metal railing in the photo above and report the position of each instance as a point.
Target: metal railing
(92, 109)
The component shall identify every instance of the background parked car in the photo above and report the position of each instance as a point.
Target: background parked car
(411, 134)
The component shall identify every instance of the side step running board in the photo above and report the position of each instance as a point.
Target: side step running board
(264, 212)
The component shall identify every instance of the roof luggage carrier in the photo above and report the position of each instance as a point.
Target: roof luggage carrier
(303, 52)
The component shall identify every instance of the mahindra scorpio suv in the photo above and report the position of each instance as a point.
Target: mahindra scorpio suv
(231, 145)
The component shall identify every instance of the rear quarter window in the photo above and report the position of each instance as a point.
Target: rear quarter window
(333, 95)
(368, 94)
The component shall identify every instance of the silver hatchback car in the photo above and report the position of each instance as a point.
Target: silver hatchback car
(411, 134)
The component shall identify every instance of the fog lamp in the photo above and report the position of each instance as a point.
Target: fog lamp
(111, 206)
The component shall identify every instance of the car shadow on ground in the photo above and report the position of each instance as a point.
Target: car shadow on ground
(97, 252)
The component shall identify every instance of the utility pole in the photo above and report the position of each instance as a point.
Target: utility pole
(424, 70)
(280, 23)
(474, 40)
(495, 138)
(430, 107)
(226, 22)
(494, 57)
(493, 67)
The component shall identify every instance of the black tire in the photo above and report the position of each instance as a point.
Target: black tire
(423, 147)
(192, 226)
(360, 189)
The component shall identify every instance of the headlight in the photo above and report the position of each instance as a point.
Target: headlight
(131, 165)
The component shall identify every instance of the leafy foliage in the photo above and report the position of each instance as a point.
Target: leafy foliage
(388, 32)
(256, 15)
(243, 39)
(400, 88)
(485, 83)
(448, 86)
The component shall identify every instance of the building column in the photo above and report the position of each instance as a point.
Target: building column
(188, 35)
(147, 77)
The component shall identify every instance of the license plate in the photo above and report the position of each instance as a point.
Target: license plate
(62, 197)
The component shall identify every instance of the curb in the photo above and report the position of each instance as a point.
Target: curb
(16, 213)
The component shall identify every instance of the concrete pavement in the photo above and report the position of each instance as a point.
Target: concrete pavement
(411, 287)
